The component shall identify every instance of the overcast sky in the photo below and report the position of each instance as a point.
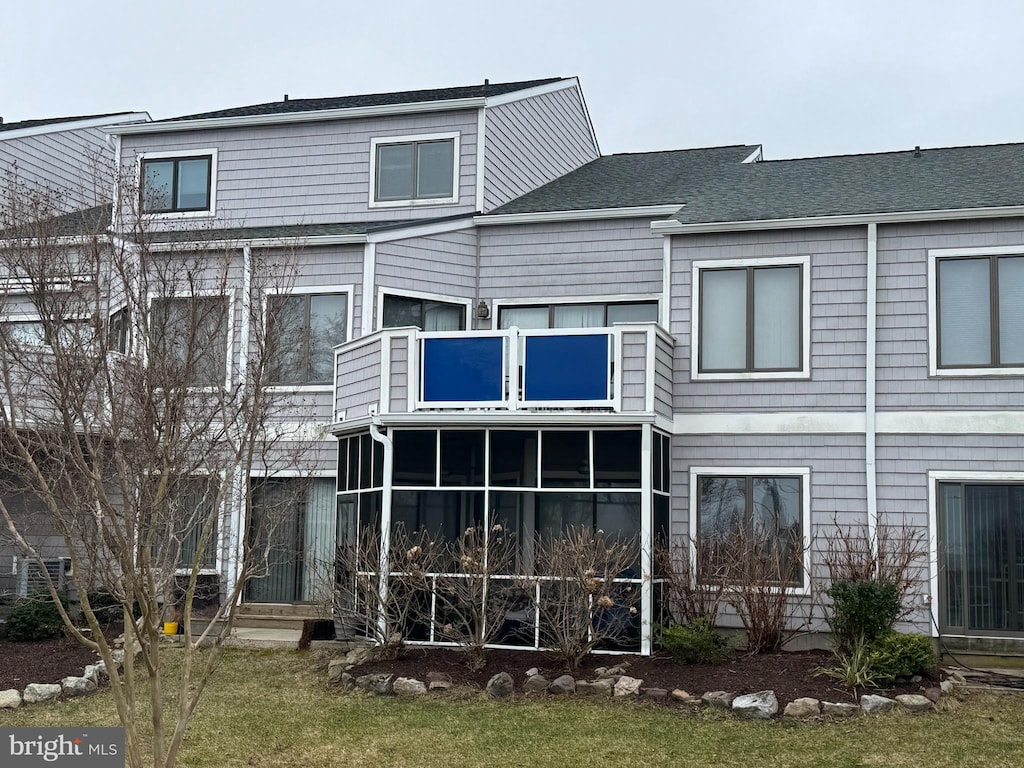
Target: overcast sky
(802, 78)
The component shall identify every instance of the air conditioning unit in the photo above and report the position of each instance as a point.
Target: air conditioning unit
(32, 580)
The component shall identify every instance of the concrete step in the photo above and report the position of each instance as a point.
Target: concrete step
(263, 638)
(303, 610)
(271, 622)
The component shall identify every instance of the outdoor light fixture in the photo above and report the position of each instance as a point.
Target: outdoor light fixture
(482, 310)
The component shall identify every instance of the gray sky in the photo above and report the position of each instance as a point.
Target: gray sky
(803, 78)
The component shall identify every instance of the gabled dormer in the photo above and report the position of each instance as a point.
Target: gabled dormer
(389, 157)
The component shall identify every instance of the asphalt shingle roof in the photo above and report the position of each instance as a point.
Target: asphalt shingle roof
(284, 231)
(930, 180)
(370, 100)
(617, 181)
(90, 221)
(53, 121)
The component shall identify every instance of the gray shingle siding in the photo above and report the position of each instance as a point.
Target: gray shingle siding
(532, 141)
(444, 264)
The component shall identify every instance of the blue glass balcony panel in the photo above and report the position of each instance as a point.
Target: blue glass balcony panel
(571, 367)
(463, 370)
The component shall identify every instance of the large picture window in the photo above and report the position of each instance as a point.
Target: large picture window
(589, 315)
(750, 526)
(980, 311)
(751, 319)
(425, 314)
(176, 184)
(188, 337)
(421, 169)
(303, 330)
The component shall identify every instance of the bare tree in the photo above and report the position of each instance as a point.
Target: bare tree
(135, 430)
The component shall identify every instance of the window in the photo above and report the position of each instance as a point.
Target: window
(189, 339)
(66, 334)
(425, 314)
(750, 526)
(590, 315)
(415, 169)
(980, 311)
(751, 319)
(177, 184)
(302, 331)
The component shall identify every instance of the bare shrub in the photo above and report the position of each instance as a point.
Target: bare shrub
(385, 606)
(689, 598)
(758, 565)
(581, 605)
(472, 603)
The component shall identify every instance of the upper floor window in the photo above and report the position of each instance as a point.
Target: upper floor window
(303, 330)
(425, 314)
(177, 184)
(189, 337)
(412, 170)
(980, 312)
(591, 315)
(751, 319)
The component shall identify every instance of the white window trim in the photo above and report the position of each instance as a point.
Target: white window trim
(567, 301)
(378, 323)
(385, 140)
(804, 473)
(804, 262)
(312, 290)
(199, 152)
(933, 306)
(229, 295)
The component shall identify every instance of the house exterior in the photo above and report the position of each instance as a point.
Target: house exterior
(506, 327)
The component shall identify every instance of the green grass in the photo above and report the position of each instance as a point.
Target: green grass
(274, 709)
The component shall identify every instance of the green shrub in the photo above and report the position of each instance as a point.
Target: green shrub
(862, 610)
(853, 669)
(903, 655)
(695, 643)
(34, 618)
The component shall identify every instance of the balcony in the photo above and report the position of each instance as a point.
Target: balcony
(623, 369)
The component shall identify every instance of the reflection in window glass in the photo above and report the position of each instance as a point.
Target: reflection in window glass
(415, 457)
(565, 459)
(514, 458)
(462, 457)
(444, 515)
(617, 458)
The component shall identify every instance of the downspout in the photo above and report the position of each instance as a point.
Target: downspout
(870, 379)
(385, 519)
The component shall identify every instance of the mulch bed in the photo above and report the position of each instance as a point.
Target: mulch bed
(43, 661)
(790, 674)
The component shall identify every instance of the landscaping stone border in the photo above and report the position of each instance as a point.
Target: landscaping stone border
(35, 693)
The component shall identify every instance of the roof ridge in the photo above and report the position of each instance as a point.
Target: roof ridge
(684, 149)
(894, 152)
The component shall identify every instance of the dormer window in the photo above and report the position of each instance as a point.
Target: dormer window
(415, 170)
(177, 184)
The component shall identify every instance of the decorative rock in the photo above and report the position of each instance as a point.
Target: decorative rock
(92, 672)
(536, 684)
(379, 684)
(37, 692)
(335, 669)
(759, 706)
(628, 686)
(347, 680)
(916, 679)
(914, 702)
(658, 694)
(618, 669)
(946, 686)
(10, 699)
(562, 685)
(933, 694)
(500, 686)
(957, 678)
(840, 709)
(408, 686)
(532, 671)
(720, 699)
(439, 681)
(118, 656)
(101, 670)
(602, 687)
(684, 696)
(360, 655)
(803, 707)
(76, 686)
(869, 702)
(599, 672)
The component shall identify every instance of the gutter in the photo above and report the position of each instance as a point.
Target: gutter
(674, 227)
(583, 214)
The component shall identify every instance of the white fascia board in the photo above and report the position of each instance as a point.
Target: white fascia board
(585, 214)
(280, 118)
(672, 227)
(261, 242)
(420, 230)
(75, 125)
(511, 419)
(796, 423)
(527, 93)
(754, 156)
(67, 241)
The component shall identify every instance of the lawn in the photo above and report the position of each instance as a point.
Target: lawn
(274, 709)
